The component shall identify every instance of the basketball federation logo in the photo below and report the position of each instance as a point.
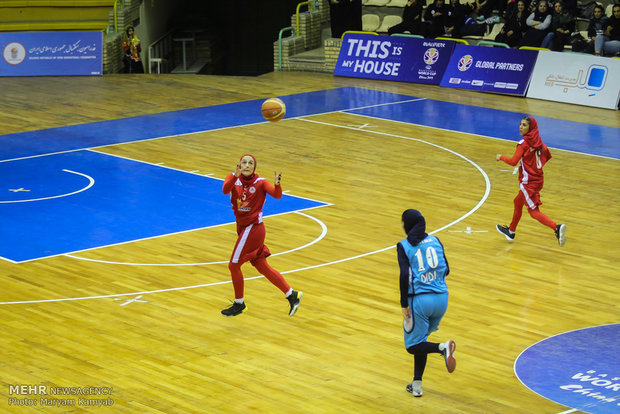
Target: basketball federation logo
(465, 63)
(431, 55)
(14, 53)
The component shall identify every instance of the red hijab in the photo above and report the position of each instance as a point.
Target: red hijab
(251, 177)
(534, 140)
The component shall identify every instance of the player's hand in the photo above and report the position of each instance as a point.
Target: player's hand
(277, 177)
(406, 313)
(238, 171)
(498, 157)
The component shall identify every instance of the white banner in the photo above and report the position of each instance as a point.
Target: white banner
(575, 78)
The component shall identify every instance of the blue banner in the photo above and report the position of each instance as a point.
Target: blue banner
(490, 69)
(51, 53)
(396, 58)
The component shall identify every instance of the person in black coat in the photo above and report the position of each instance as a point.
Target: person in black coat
(435, 19)
(515, 26)
(412, 19)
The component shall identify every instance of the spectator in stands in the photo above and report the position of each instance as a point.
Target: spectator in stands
(562, 25)
(345, 15)
(435, 19)
(595, 27)
(608, 43)
(515, 26)
(538, 23)
(132, 48)
(459, 22)
(412, 19)
(485, 8)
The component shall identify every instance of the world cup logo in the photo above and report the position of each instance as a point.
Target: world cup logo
(465, 63)
(431, 55)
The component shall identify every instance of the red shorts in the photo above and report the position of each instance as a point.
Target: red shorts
(531, 193)
(250, 244)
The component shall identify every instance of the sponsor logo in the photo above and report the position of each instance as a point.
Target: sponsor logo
(455, 81)
(477, 83)
(431, 55)
(500, 85)
(465, 63)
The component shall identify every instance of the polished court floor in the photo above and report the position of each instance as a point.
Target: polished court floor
(115, 238)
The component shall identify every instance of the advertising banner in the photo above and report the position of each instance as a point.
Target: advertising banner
(490, 69)
(51, 53)
(576, 78)
(396, 58)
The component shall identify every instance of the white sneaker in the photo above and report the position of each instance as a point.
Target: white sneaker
(448, 354)
(415, 388)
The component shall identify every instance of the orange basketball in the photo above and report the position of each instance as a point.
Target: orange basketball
(273, 109)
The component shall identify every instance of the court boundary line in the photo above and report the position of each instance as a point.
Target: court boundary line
(318, 239)
(470, 212)
(90, 184)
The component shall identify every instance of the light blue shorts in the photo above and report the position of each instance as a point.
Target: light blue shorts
(427, 310)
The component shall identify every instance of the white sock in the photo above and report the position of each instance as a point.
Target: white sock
(289, 292)
(239, 300)
(442, 346)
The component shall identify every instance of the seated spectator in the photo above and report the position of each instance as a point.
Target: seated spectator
(608, 42)
(459, 22)
(412, 19)
(515, 26)
(435, 19)
(538, 26)
(562, 25)
(484, 8)
(132, 48)
(595, 27)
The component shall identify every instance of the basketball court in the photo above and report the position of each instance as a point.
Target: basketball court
(116, 236)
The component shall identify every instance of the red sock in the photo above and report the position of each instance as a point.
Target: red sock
(237, 279)
(543, 218)
(272, 274)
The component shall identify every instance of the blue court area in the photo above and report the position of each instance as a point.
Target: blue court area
(56, 197)
(574, 136)
(567, 135)
(579, 369)
(83, 199)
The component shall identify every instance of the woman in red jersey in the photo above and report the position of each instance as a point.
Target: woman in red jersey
(533, 154)
(247, 194)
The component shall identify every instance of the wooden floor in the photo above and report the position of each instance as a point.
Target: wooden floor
(172, 351)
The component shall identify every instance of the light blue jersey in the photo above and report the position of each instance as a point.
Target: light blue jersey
(428, 266)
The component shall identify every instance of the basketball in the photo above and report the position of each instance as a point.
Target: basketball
(273, 109)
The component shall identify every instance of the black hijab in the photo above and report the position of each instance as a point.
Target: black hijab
(415, 226)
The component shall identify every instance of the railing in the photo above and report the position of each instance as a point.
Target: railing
(462, 41)
(310, 4)
(494, 44)
(115, 13)
(534, 48)
(160, 51)
(280, 44)
(408, 35)
(360, 32)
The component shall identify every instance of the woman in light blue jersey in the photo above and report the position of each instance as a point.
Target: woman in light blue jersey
(423, 295)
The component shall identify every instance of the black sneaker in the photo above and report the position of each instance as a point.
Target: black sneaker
(510, 236)
(560, 233)
(235, 309)
(294, 298)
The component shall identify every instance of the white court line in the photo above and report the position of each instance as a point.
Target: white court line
(480, 203)
(318, 239)
(91, 181)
